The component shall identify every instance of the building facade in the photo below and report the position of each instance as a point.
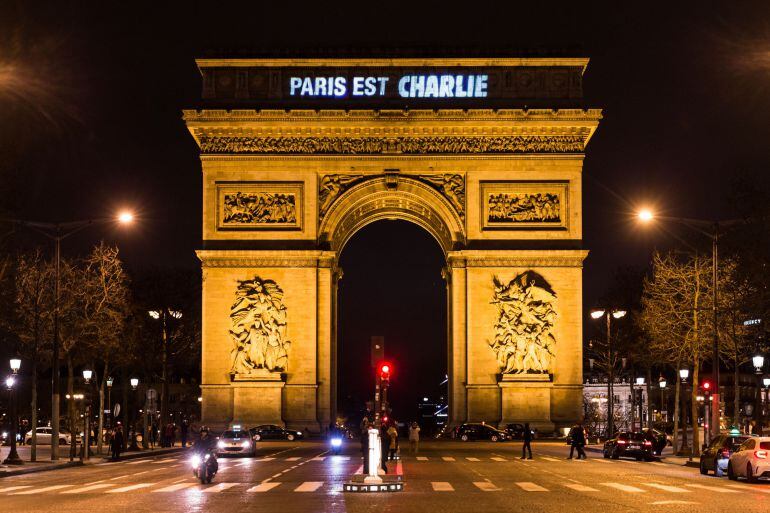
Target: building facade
(484, 154)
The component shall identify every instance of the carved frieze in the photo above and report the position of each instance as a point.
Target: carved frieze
(523, 335)
(259, 205)
(331, 187)
(452, 187)
(527, 205)
(413, 145)
(258, 332)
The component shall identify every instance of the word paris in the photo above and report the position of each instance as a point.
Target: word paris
(409, 86)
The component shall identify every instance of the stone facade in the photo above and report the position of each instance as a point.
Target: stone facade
(309, 179)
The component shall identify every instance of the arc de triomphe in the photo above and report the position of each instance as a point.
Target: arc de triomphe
(484, 154)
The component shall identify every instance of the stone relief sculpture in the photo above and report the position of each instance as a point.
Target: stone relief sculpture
(258, 332)
(524, 342)
(330, 187)
(452, 186)
(523, 207)
(259, 208)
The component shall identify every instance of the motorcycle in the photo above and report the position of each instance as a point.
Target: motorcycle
(204, 466)
(336, 444)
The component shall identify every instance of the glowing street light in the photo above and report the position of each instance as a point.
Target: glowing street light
(15, 365)
(759, 362)
(645, 215)
(597, 314)
(125, 217)
(684, 374)
(87, 375)
(134, 383)
(640, 381)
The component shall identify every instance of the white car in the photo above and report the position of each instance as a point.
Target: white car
(44, 437)
(751, 460)
(236, 441)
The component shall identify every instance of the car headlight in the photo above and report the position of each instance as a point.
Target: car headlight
(207, 457)
(336, 442)
(245, 444)
(299, 433)
(195, 461)
(221, 445)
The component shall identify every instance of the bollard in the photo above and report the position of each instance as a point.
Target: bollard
(375, 450)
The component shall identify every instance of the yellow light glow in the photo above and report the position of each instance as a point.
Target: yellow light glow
(645, 215)
(125, 217)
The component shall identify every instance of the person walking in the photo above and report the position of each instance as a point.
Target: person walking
(393, 439)
(577, 441)
(183, 431)
(526, 447)
(384, 447)
(414, 437)
(117, 442)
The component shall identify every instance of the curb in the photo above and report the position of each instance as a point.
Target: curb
(33, 470)
(145, 454)
(136, 455)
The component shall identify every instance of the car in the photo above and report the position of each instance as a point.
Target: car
(44, 437)
(236, 441)
(659, 439)
(716, 456)
(751, 460)
(629, 444)
(273, 432)
(473, 431)
(517, 431)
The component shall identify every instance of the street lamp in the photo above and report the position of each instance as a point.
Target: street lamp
(110, 381)
(58, 232)
(133, 447)
(13, 455)
(662, 384)
(134, 383)
(759, 362)
(87, 375)
(163, 314)
(597, 314)
(684, 374)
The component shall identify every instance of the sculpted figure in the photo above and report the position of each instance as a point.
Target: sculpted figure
(523, 341)
(452, 186)
(331, 187)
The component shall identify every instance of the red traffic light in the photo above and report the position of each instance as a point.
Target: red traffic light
(706, 385)
(385, 368)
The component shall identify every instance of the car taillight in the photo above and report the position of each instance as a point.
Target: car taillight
(621, 442)
(760, 454)
(647, 443)
(724, 453)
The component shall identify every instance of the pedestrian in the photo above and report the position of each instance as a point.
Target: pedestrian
(384, 447)
(526, 447)
(577, 441)
(169, 438)
(184, 429)
(393, 442)
(414, 437)
(117, 442)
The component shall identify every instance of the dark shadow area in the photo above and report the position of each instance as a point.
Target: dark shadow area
(392, 286)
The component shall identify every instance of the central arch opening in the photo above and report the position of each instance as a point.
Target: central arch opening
(392, 287)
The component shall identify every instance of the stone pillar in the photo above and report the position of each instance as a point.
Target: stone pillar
(324, 357)
(457, 351)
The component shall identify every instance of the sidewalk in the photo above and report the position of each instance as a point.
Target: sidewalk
(44, 462)
(666, 457)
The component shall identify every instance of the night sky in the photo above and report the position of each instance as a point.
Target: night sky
(91, 95)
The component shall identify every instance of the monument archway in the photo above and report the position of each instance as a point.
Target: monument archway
(292, 171)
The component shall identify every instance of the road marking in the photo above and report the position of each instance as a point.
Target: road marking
(674, 502)
(265, 459)
(137, 462)
(309, 486)
(294, 458)
(657, 463)
(442, 486)
(531, 487)
(581, 488)
(90, 488)
(174, 487)
(263, 487)
(399, 468)
(498, 459)
(11, 488)
(624, 488)
(486, 486)
(547, 458)
(472, 459)
(447, 458)
(218, 488)
(163, 461)
(422, 458)
(41, 490)
(119, 477)
(359, 470)
(667, 488)
(752, 488)
(94, 482)
(712, 488)
(319, 458)
(129, 488)
(601, 460)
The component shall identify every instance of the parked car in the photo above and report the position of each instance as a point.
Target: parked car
(716, 456)
(516, 431)
(472, 431)
(658, 438)
(236, 441)
(44, 437)
(629, 444)
(273, 432)
(751, 460)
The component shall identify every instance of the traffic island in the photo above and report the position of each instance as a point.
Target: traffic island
(358, 483)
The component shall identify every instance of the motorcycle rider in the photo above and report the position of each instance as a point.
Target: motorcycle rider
(206, 444)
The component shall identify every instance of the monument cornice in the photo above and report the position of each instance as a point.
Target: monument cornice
(258, 258)
(517, 258)
(392, 62)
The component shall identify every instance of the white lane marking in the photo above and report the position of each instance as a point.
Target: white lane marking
(657, 463)
(442, 486)
(601, 460)
(674, 502)
(472, 459)
(318, 458)
(90, 488)
(712, 488)
(447, 458)
(581, 488)
(341, 458)
(174, 487)
(498, 459)
(129, 488)
(547, 458)
(263, 487)
(531, 487)
(294, 458)
(137, 462)
(265, 459)
(11, 488)
(667, 488)
(94, 482)
(422, 458)
(44, 489)
(218, 488)
(752, 488)
(309, 486)
(486, 486)
(119, 477)
(163, 461)
(624, 488)
(359, 470)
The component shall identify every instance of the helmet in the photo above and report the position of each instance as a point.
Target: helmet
(204, 429)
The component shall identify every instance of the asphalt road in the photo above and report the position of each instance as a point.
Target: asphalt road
(446, 477)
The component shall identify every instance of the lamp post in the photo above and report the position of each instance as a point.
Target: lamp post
(640, 402)
(58, 232)
(766, 383)
(87, 375)
(609, 314)
(759, 362)
(13, 455)
(683, 375)
(662, 386)
(110, 381)
(162, 315)
(700, 225)
(133, 447)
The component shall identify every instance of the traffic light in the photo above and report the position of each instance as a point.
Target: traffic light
(706, 386)
(385, 373)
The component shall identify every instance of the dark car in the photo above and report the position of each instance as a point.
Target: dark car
(658, 438)
(629, 445)
(481, 432)
(717, 455)
(517, 431)
(273, 432)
